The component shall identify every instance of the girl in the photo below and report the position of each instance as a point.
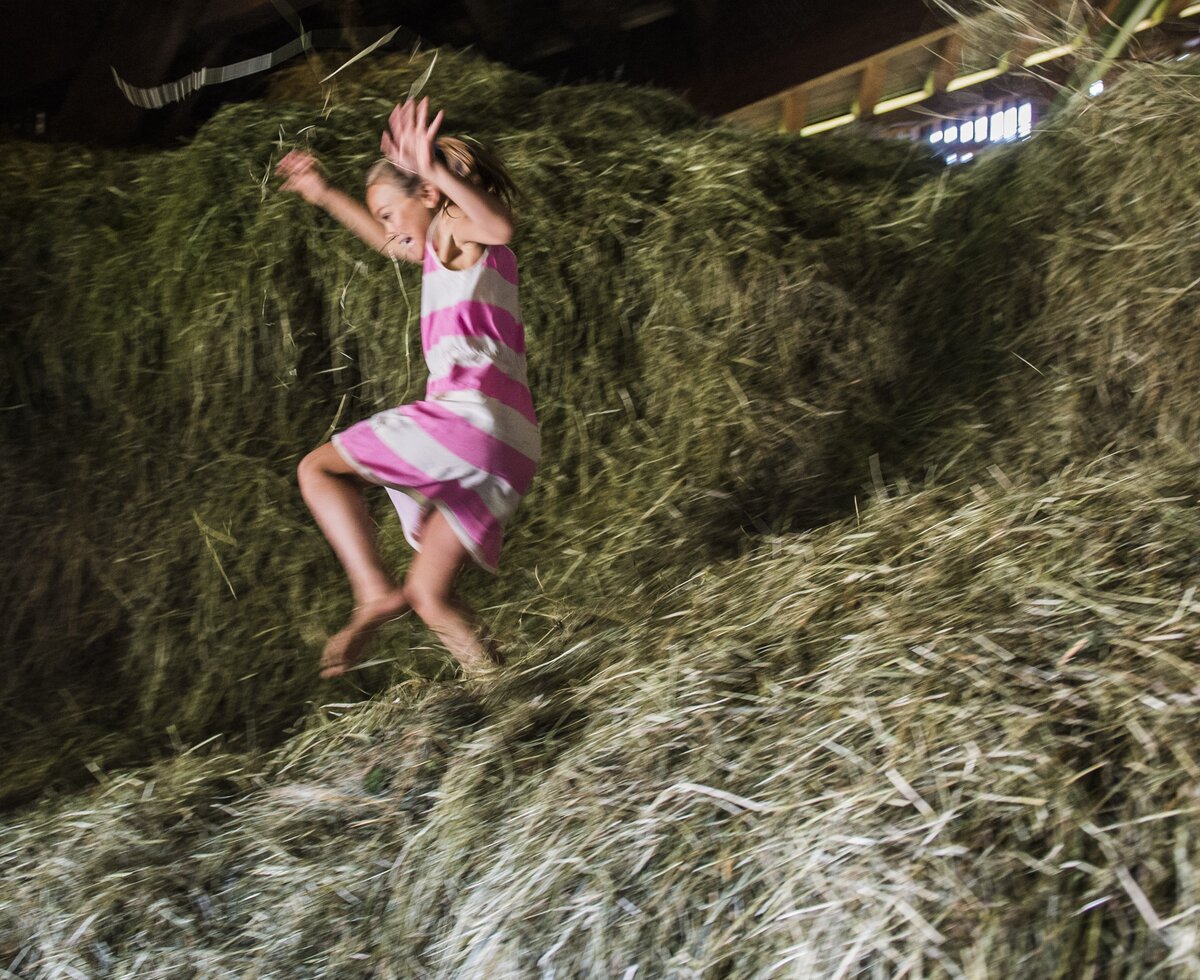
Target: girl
(456, 464)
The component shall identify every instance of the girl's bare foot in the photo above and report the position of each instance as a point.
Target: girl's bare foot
(344, 649)
(483, 663)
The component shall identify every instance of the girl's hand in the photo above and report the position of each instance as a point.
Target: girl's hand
(300, 173)
(408, 140)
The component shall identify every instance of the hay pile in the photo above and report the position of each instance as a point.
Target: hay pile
(948, 732)
(952, 739)
(1055, 288)
(186, 334)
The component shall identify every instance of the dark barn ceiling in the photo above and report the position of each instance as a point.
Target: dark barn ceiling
(720, 54)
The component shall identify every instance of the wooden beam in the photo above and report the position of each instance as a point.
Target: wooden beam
(925, 41)
(791, 108)
(928, 41)
(870, 87)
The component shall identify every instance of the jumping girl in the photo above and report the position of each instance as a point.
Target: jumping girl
(457, 463)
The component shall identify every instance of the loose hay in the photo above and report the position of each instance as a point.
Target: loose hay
(947, 733)
(952, 739)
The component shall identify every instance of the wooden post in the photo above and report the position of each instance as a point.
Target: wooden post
(949, 60)
(1024, 47)
(795, 105)
(870, 87)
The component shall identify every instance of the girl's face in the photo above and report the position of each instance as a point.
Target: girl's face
(406, 220)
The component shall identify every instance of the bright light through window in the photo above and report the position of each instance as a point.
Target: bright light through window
(1024, 119)
(1010, 123)
(1000, 126)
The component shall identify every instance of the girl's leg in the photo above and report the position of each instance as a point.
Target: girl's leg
(334, 493)
(429, 589)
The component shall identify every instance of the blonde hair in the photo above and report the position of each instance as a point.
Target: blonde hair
(470, 160)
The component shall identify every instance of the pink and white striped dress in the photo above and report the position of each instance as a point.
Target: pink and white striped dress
(471, 447)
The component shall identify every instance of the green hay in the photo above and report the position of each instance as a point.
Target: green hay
(1047, 294)
(945, 733)
(206, 331)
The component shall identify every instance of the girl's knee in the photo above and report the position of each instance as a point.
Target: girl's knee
(427, 603)
(315, 464)
(308, 468)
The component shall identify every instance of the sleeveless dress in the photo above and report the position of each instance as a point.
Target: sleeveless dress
(471, 447)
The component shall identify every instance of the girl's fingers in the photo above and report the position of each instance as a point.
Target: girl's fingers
(425, 129)
(390, 150)
(392, 135)
(435, 126)
(403, 117)
(397, 122)
(295, 162)
(408, 139)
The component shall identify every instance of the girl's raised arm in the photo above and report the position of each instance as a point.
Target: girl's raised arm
(408, 143)
(301, 175)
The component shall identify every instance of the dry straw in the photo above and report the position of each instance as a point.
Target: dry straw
(991, 28)
(944, 731)
(952, 739)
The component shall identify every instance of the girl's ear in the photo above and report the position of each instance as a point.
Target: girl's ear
(429, 195)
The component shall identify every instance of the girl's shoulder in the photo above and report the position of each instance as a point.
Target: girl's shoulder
(500, 259)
